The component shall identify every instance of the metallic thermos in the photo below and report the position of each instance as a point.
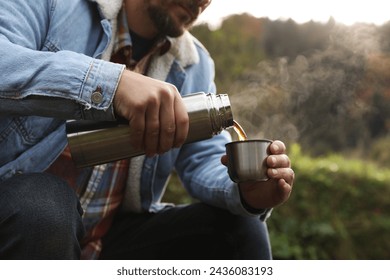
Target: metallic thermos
(94, 143)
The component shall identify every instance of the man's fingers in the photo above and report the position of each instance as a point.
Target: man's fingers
(168, 124)
(182, 122)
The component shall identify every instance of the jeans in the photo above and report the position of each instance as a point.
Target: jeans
(196, 231)
(40, 218)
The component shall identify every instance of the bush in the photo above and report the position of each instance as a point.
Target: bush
(338, 210)
(380, 151)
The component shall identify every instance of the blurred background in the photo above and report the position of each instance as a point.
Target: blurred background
(316, 76)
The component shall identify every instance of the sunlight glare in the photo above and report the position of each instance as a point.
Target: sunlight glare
(345, 12)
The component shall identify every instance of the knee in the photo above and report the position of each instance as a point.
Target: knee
(252, 237)
(247, 236)
(40, 201)
(40, 217)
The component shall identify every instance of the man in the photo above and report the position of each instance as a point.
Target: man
(104, 60)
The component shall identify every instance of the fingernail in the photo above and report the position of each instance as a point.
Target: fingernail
(274, 171)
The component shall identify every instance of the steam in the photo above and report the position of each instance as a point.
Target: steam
(303, 97)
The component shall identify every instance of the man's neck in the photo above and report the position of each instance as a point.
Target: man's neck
(140, 46)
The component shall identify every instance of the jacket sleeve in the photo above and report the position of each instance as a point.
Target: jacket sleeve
(38, 77)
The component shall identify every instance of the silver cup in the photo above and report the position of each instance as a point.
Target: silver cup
(247, 160)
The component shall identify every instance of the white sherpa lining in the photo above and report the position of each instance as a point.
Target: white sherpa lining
(109, 8)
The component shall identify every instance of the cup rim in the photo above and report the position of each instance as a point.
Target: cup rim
(248, 140)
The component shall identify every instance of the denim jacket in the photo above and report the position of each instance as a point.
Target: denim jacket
(48, 76)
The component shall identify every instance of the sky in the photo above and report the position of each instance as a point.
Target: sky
(343, 11)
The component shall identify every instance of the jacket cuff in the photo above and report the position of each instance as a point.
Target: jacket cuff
(99, 89)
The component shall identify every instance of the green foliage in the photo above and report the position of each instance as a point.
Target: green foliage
(380, 151)
(338, 210)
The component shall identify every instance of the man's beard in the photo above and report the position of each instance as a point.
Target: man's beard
(165, 25)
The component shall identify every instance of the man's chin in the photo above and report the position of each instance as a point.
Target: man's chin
(174, 31)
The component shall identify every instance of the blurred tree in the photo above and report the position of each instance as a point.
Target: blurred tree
(375, 92)
(288, 39)
(235, 47)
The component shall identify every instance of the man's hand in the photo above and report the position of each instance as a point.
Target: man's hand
(155, 111)
(277, 189)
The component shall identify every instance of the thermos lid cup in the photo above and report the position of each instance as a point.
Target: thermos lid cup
(247, 160)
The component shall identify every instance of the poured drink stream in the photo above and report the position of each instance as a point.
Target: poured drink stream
(240, 131)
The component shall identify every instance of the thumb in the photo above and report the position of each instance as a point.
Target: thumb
(224, 160)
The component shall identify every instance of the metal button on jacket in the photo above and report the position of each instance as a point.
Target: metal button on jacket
(97, 97)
